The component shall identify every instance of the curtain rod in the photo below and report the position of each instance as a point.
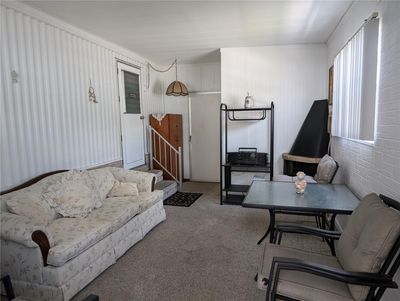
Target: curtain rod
(373, 16)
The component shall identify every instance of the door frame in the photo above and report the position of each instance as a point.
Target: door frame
(123, 62)
(190, 122)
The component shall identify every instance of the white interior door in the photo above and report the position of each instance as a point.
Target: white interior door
(204, 141)
(132, 124)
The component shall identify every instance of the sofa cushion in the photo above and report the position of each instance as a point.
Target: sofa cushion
(115, 211)
(103, 181)
(305, 286)
(74, 235)
(121, 189)
(325, 170)
(147, 199)
(367, 239)
(60, 275)
(74, 195)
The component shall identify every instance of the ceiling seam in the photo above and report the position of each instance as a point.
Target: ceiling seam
(340, 20)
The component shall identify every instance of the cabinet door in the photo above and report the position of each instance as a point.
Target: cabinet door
(175, 130)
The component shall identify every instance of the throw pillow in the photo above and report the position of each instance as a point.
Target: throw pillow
(103, 181)
(121, 189)
(325, 170)
(73, 196)
(29, 204)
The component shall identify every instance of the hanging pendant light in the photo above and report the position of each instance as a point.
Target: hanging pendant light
(177, 88)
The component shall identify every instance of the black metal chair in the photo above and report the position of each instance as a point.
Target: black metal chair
(368, 258)
(320, 218)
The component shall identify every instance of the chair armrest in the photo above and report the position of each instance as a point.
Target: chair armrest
(144, 180)
(358, 278)
(23, 230)
(300, 229)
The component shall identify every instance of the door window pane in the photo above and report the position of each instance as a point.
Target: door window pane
(132, 93)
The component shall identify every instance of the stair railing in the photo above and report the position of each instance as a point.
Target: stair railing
(166, 156)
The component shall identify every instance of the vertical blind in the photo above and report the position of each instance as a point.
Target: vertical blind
(347, 89)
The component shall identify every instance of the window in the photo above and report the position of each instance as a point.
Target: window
(354, 85)
(132, 93)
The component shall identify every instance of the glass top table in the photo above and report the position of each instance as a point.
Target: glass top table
(328, 198)
(281, 197)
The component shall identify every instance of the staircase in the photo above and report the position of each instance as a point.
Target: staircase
(164, 156)
(167, 160)
(169, 187)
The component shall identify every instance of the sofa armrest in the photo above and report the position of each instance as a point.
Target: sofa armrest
(144, 180)
(22, 230)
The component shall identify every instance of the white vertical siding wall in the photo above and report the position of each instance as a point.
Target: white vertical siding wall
(291, 76)
(47, 122)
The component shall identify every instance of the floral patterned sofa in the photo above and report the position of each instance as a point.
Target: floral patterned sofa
(52, 257)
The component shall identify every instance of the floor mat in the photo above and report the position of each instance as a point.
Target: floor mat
(184, 199)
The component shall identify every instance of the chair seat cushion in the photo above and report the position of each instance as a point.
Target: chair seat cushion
(305, 286)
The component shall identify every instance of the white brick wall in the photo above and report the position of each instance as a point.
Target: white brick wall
(375, 168)
(367, 168)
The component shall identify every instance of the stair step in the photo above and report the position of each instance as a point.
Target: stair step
(168, 187)
(157, 173)
(143, 167)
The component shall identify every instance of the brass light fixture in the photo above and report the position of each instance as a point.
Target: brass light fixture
(176, 88)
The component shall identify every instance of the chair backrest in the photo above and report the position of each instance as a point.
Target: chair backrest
(334, 174)
(369, 239)
(326, 170)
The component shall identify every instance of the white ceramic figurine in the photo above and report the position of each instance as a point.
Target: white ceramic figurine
(300, 183)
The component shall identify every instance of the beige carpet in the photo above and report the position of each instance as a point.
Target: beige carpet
(202, 252)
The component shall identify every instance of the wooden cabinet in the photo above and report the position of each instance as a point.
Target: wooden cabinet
(169, 126)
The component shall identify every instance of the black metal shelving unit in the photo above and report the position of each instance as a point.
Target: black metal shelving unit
(226, 168)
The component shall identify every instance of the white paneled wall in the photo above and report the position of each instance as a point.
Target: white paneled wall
(291, 76)
(204, 77)
(47, 122)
